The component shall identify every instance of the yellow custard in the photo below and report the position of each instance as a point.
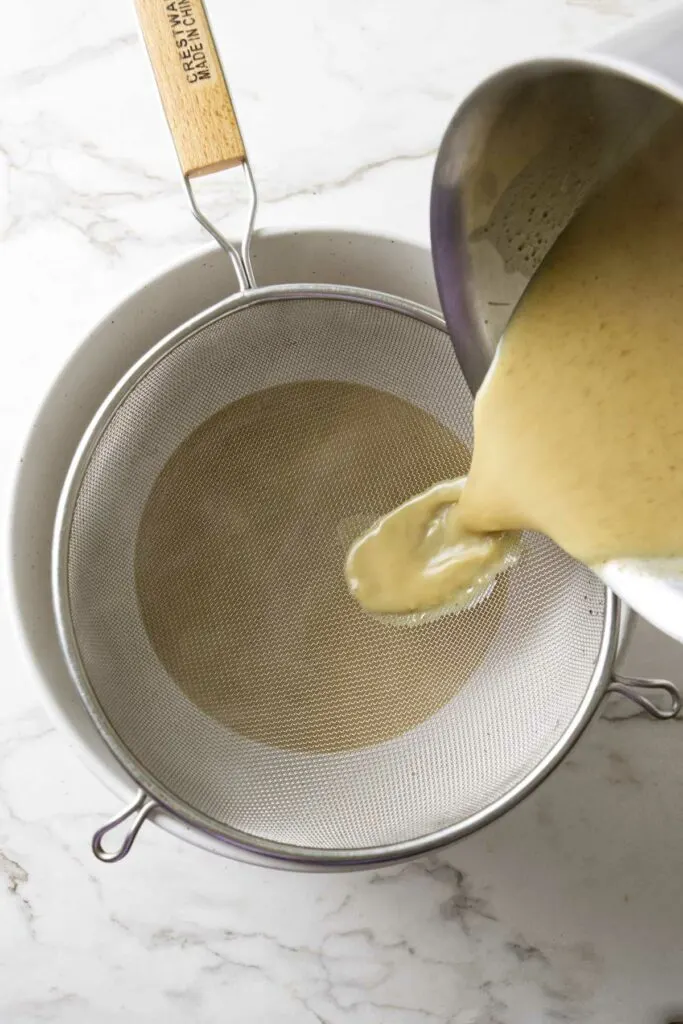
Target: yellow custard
(421, 557)
(579, 423)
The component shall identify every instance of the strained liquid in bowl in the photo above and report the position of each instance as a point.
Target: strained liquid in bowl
(239, 568)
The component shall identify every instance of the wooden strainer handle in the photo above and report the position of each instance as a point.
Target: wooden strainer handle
(192, 85)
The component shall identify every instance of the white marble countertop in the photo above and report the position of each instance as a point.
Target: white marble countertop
(571, 907)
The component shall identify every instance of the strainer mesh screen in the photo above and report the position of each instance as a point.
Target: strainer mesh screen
(207, 599)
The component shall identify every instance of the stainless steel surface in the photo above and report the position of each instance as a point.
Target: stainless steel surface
(521, 155)
(518, 160)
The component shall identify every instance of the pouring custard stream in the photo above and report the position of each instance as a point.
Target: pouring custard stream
(578, 427)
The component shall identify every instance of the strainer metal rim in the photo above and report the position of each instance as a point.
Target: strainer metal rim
(286, 852)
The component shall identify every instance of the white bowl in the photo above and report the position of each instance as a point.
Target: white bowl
(97, 364)
(121, 337)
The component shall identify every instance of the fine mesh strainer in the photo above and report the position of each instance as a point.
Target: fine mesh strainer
(198, 566)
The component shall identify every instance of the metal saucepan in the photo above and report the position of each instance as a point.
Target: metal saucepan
(518, 159)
